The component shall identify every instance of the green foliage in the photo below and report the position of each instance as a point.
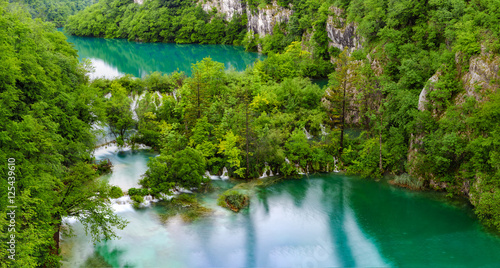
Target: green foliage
(156, 21)
(56, 11)
(138, 192)
(115, 192)
(46, 112)
(233, 200)
(184, 168)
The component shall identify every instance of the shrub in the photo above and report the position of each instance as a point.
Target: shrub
(115, 192)
(233, 200)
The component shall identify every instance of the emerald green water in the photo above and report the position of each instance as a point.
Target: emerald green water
(329, 220)
(116, 57)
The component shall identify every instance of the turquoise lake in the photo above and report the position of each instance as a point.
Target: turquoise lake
(116, 57)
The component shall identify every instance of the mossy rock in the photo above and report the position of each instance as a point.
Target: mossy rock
(233, 200)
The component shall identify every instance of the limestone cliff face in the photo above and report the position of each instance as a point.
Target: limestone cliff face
(342, 34)
(228, 8)
(422, 99)
(477, 82)
(260, 21)
(263, 20)
(483, 70)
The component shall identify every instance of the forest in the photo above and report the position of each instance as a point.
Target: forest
(370, 120)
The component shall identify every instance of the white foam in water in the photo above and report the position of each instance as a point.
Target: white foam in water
(224, 175)
(308, 136)
(323, 130)
(70, 220)
(335, 161)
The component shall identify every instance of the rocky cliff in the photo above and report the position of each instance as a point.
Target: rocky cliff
(261, 21)
(342, 34)
(226, 7)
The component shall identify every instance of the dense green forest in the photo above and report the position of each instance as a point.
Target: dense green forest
(269, 117)
(46, 138)
(56, 11)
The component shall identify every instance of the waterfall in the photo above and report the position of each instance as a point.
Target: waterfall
(224, 175)
(175, 95)
(107, 96)
(266, 169)
(160, 98)
(133, 105)
(323, 130)
(212, 177)
(335, 161)
(308, 136)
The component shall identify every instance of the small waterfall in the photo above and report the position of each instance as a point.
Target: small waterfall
(308, 136)
(323, 130)
(174, 93)
(224, 175)
(107, 96)
(299, 169)
(210, 176)
(266, 169)
(160, 98)
(133, 105)
(335, 161)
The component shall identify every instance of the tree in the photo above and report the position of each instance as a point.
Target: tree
(118, 113)
(338, 96)
(204, 85)
(185, 168)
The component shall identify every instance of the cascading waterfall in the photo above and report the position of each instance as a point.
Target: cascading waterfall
(133, 105)
(335, 161)
(308, 135)
(266, 169)
(174, 93)
(323, 130)
(210, 176)
(224, 175)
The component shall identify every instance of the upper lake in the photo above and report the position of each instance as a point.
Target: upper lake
(116, 57)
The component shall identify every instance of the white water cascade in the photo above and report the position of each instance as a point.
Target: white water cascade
(308, 135)
(335, 161)
(224, 175)
(323, 130)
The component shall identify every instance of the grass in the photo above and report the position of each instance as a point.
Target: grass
(405, 180)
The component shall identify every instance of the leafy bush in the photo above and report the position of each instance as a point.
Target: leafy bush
(138, 192)
(233, 200)
(115, 192)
